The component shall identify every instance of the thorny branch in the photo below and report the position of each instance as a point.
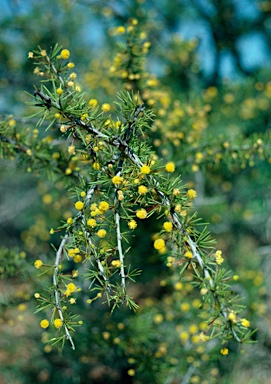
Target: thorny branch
(56, 289)
(124, 148)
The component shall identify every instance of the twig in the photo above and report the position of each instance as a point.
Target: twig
(121, 256)
(56, 290)
(82, 217)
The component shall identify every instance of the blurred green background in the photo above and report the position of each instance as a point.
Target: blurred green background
(210, 62)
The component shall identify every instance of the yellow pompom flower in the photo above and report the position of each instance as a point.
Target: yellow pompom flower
(132, 224)
(245, 323)
(71, 149)
(93, 103)
(96, 166)
(145, 169)
(103, 206)
(188, 254)
(142, 190)
(131, 372)
(74, 274)
(59, 91)
(58, 323)
(191, 193)
(77, 258)
(117, 180)
(116, 263)
(65, 54)
(44, 324)
(170, 167)
(120, 196)
(73, 75)
(79, 205)
(63, 128)
(219, 258)
(101, 233)
(91, 223)
(106, 107)
(73, 251)
(71, 65)
(93, 207)
(232, 317)
(71, 287)
(159, 244)
(38, 264)
(141, 213)
(120, 30)
(69, 221)
(176, 192)
(178, 286)
(224, 351)
(168, 226)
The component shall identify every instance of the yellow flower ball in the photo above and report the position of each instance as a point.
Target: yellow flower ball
(44, 324)
(91, 223)
(101, 233)
(245, 323)
(77, 258)
(93, 103)
(38, 264)
(142, 190)
(131, 372)
(132, 224)
(71, 287)
(159, 318)
(65, 54)
(116, 263)
(145, 169)
(170, 167)
(159, 244)
(120, 30)
(188, 254)
(224, 351)
(79, 205)
(96, 166)
(191, 193)
(103, 206)
(168, 226)
(141, 213)
(106, 107)
(117, 180)
(71, 149)
(58, 323)
(232, 317)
